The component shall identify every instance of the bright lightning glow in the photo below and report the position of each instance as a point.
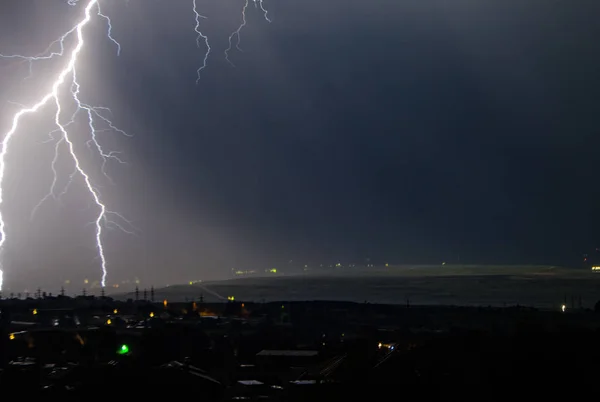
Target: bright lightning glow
(53, 95)
(98, 118)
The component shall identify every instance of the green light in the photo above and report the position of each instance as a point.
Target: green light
(123, 350)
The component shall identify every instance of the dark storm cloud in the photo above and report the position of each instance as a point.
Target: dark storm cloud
(408, 131)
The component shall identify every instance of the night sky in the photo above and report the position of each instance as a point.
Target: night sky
(405, 131)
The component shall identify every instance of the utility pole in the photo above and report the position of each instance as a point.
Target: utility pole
(62, 291)
(137, 293)
(84, 293)
(102, 294)
(145, 295)
(152, 293)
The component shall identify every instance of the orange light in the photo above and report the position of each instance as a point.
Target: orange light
(79, 339)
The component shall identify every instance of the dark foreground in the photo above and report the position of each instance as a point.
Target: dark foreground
(77, 348)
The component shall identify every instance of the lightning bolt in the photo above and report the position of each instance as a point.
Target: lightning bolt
(103, 218)
(98, 118)
(199, 38)
(237, 33)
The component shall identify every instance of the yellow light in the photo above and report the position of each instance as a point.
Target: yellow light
(108, 322)
(34, 311)
(165, 302)
(115, 311)
(86, 281)
(11, 337)
(191, 283)
(151, 315)
(379, 345)
(230, 298)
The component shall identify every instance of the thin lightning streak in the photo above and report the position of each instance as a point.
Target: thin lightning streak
(237, 33)
(47, 54)
(109, 31)
(200, 37)
(85, 176)
(93, 112)
(263, 9)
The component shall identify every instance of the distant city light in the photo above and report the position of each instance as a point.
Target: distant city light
(596, 268)
(563, 308)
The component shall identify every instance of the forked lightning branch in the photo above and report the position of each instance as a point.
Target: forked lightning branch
(68, 48)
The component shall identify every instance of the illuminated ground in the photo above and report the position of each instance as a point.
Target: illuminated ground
(543, 287)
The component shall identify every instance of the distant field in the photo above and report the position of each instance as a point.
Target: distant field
(537, 286)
